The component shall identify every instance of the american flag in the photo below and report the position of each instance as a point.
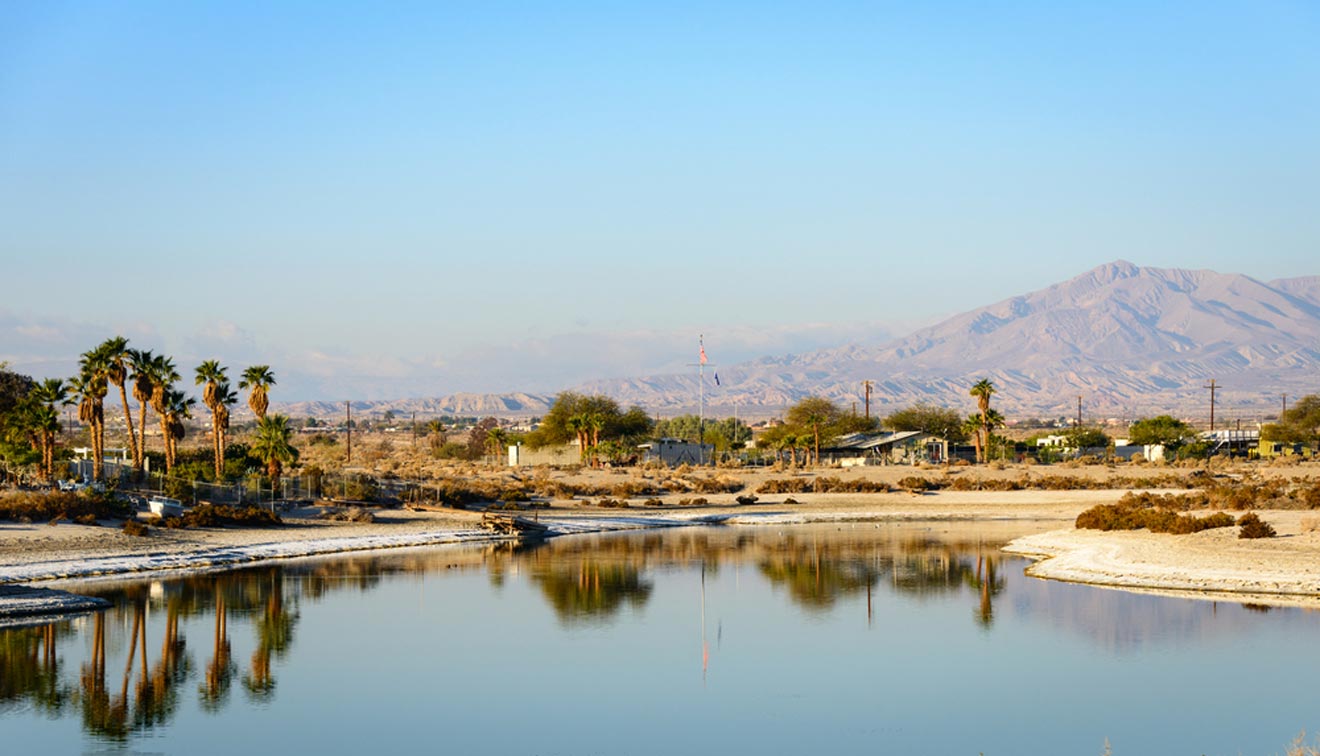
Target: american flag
(703, 354)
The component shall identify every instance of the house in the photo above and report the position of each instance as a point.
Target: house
(889, 447)
(674, 452)
(1234, 443)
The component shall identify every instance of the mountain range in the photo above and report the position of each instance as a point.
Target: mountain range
(1128, 340)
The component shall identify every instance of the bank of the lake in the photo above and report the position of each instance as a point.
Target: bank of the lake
(1280, 570)
(1212, 561)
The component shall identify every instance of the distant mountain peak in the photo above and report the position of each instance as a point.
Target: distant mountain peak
(1119, 334)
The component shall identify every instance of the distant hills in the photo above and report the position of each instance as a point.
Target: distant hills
(1127, 339)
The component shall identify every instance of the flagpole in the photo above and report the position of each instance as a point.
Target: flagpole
(701, 401)
(701, 398)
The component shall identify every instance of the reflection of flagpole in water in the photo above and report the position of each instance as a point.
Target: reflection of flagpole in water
(705, 647)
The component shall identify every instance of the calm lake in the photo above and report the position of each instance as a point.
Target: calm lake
(888, 639)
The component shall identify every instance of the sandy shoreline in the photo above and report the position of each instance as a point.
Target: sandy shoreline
(1209, 561)
(1212, 562)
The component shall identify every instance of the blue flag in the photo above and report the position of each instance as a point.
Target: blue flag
(717, 379)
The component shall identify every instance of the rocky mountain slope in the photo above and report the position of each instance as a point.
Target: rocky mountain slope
(1127, 339)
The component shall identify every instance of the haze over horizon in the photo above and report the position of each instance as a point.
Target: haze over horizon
(425, 199)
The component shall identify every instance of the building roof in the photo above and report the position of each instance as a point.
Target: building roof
(869, 441)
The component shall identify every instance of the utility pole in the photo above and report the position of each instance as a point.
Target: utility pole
(867, 385)
(1212, 388)
(348, 428)
(414, 429)
(1079, 412)
(1285, 408)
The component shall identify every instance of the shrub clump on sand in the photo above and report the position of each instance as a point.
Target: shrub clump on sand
(784, 485)
(209, 515)
(1134, 512)
(1251, 526)
(917, 484)
(349, 514)
(136, 528)
(42, 506)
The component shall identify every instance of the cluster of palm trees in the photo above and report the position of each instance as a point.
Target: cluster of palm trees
(153, 378)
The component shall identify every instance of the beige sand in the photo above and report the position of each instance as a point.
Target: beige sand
(1210, 561)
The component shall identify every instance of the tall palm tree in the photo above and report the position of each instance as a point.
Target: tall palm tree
(163, 374)
(983, 390)
(93, 385)
(273, 445)
(117, 358)
(89, 389)
(972, 427)
(226, 397)
(258, 379)
(212, 374)
(142, 362)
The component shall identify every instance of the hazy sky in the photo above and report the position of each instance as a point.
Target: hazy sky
(391, 199)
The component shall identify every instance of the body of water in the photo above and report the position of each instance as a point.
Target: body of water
(867, 639)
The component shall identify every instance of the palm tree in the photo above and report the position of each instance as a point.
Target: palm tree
(226, 397)
(212, 374)
(989, 421)
(89, 388)
(982, 390)
(495, 439)
(176, 406)
(577, 424)
(273, 446)
(142, 362)
(163, 376)
(594, 422)
(258, 379)
(972, 427)
(42, 420)
(117, 358)
(92, 386)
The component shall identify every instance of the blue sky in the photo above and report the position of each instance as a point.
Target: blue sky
(425, 198)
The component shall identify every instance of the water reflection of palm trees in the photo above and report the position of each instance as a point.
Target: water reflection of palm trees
(274, 635)
(591, 590)
(214, 689)
(584, 580)
(30, 669)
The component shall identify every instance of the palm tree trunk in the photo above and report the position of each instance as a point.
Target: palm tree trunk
(165, 438)
(139, 462)
(215, 443)
(128, 418)
(98, 439)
